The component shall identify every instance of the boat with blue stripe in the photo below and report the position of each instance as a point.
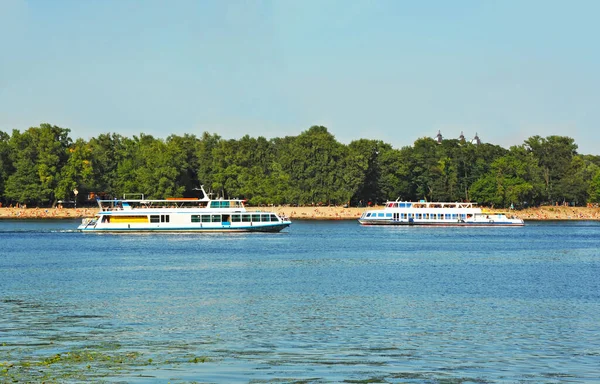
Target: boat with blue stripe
(181, 215)
(437, 214)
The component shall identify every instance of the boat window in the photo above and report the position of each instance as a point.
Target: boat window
(274, 218)
(206, 218)
(256, 218)
(454, 216)
(419, 216)
(154, 219)
(216, 218)
(236, 218)
(380, 214)
(447, 216)
(265, 218)
(164, 218)
(388, 215)
(195, 218)
(246, 218)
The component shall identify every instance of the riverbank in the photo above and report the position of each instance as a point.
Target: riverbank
(309, 213)
(559, 213)
(46, 213)
(539, 213)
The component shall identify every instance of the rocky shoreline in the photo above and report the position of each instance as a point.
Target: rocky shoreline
(310, 213)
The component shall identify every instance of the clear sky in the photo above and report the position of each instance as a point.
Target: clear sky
(390, 70)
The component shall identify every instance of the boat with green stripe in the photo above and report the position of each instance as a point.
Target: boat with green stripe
(181, 215)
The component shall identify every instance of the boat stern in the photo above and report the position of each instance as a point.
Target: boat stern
(87, 223)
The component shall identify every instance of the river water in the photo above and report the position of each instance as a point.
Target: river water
(323, 301)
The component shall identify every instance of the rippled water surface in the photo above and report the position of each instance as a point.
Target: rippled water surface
(326, 301)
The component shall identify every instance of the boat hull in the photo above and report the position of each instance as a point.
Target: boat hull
(490, 223)
(164, 229)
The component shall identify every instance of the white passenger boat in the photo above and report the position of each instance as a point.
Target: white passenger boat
(181, 215)
(440, 214)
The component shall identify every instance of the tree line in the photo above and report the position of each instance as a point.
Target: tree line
(44, 165)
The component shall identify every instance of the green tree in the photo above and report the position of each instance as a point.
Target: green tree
(362, 171)
(574, 184)
(155, 167)
(128, 161)
(108, 151)
(510, 181)
(313, 165)
(594, 188)
(77, 174)
(206, 159)
(424, 162)
(554, 155)
(38, 155)
(6, 167)
(185, 152)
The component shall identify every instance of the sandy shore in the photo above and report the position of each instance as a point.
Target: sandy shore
(540, 213)
(309, 213)
(46, 213)
(559, 213)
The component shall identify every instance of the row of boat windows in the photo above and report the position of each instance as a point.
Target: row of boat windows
(399, 205)
(225, 204)
(422, 216)
(236, 218)
(159, 218)
(207, 218)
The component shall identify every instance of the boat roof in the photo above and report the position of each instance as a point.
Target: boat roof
(430, 204)
(142, 200)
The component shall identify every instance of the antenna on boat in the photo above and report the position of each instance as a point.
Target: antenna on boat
(205, 196)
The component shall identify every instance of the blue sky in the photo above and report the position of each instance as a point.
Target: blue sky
(388, 70)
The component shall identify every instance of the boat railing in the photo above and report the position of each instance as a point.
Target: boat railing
(423, 205)
(140, 195)
(179, 203)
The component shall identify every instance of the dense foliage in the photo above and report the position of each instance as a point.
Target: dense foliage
(43, 165)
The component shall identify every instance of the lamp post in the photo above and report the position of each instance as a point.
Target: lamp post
(75, 192)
